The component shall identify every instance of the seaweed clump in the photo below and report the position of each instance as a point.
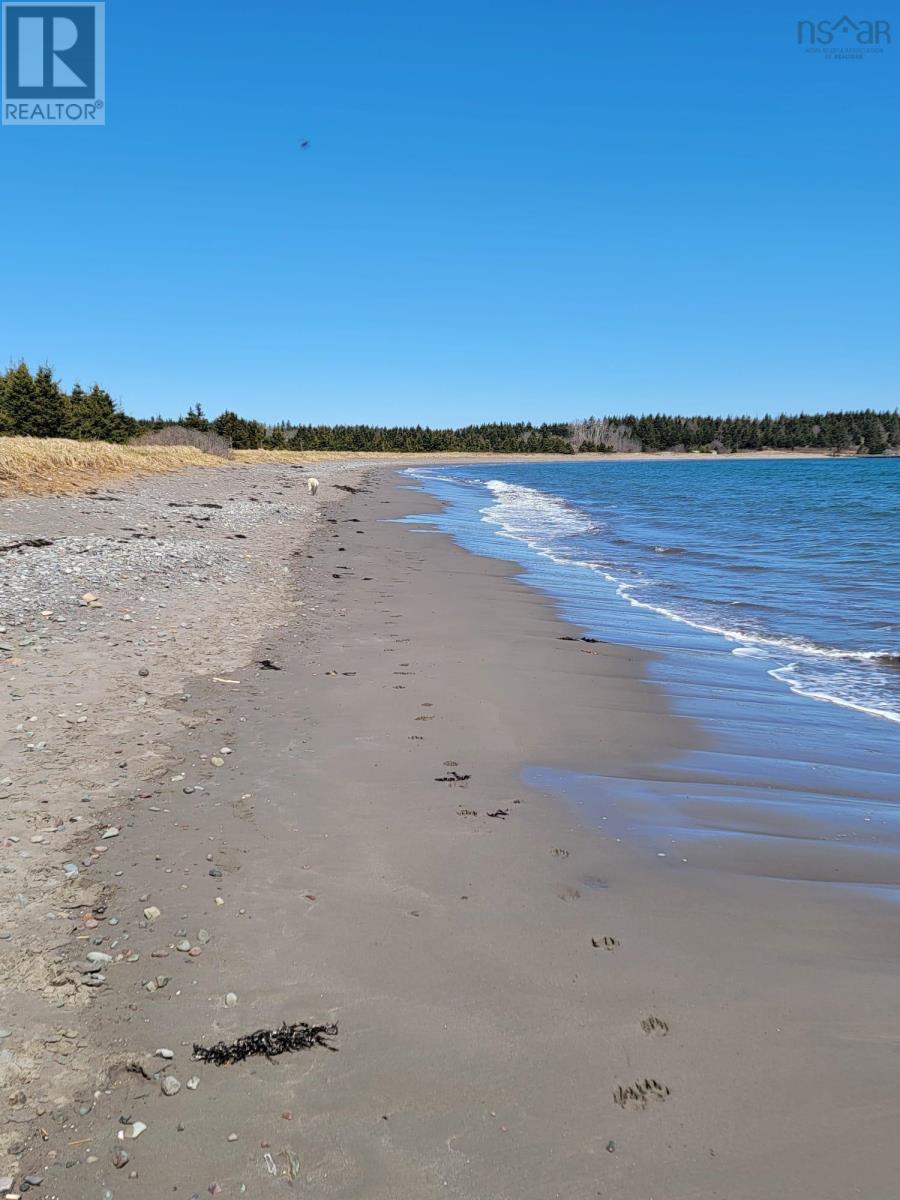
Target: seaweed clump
(269, 1043)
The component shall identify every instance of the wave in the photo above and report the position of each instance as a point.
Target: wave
(545, 523)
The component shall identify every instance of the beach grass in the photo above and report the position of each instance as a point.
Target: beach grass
(32, 466)
(41, 466)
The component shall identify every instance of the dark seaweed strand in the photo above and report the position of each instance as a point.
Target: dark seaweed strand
(268, 1042)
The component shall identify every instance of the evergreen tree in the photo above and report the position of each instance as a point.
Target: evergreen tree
(51, 416)
(20, 400)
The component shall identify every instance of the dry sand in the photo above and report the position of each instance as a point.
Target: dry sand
(527, 1008)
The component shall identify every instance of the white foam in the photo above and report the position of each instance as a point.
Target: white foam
(542, 521)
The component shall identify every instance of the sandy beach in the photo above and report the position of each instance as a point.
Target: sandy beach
(281, 746)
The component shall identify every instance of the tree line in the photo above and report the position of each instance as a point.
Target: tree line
(36, 405)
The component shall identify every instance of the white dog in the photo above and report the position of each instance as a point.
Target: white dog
(312, 486)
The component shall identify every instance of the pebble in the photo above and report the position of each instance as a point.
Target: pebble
(164, 1053)
(170, 1086)
(143, 672)
(216, 761)
(194, 1082)
(231, 1000)
(152, 913)
(110, 833)
(184, 945)
(5, 1033)
(203, 936)
(215, 872)
(232, 1137)
(121, 1158)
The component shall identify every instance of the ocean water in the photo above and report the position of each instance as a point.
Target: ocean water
(769, 591)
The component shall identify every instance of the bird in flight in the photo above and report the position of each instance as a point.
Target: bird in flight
(304, 145)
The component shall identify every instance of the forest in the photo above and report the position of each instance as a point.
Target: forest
(36, 405)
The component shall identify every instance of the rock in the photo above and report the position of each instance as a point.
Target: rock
(230, 1000)
(121, 1158)
(215, 872)
(164, 1054)
(170, 1086)
(183, 945)
(70, 869)
(5, 1033)
(203, 936)
(194, 1082)
(97, 956)
(143, 672)
(162, 981)
(152, 913)
(33, 1180)
(110, 833)
(195, 952)
(232, 1137)
(219, 901)
(6, 1182)
(135, 1130)
(216, 761)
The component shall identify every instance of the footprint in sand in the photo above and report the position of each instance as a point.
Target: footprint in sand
(638, 1095)
(655, 1026)
(569, 893)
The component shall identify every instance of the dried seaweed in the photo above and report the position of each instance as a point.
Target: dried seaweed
(268, 1042)
(38, 543)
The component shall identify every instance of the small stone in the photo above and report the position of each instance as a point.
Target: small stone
(97, 956)
(170, 1086)
(219, 901)
(215, 872)
(143, 672)
(203, 936)
(232, 1137)
(164, 1054)
(195, 952)
(216, 761)
(110, 833)
(287, 1115)
(33, 1180)
(231, 1000)
(152, 913)
(194, 1082)
(214, 1189)
(121, 1158)
(162, 981)
(5, 1033)
(183, 945)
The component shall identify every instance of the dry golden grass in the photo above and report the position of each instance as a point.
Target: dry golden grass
(299, 456)
(37, 466)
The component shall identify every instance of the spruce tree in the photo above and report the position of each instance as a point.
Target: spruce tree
(50, 406)
(20, 401)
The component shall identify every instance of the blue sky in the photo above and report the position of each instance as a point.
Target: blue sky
(507, 210)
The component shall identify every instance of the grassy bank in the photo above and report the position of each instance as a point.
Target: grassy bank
(37, 466)
(41, 466)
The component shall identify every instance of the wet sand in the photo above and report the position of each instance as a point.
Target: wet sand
(528, 1006)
